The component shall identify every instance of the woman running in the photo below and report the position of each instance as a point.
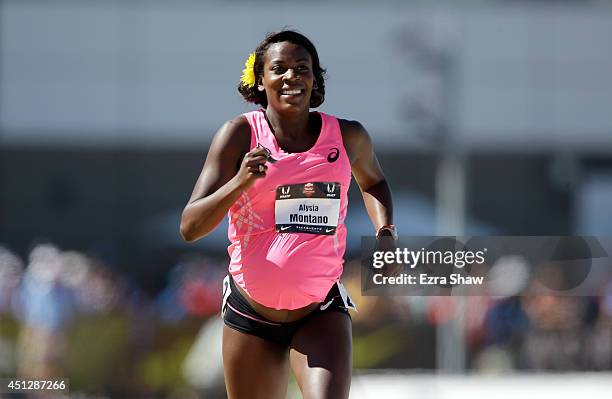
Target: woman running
(282, 175)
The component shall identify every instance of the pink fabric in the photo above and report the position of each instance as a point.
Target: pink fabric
(288, 270)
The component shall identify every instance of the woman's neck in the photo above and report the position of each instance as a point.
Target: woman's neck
(293, 127)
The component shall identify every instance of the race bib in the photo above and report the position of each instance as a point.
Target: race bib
(307, 208)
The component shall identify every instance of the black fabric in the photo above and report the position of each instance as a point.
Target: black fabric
(277, 332)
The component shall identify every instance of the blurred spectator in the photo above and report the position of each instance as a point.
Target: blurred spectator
(44, 305)
(598, 345)
(11, 268)
(193, 289)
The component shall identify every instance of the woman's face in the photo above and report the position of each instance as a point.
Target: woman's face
(287, 77)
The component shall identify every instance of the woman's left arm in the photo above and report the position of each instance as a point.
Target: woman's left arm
(369, 176)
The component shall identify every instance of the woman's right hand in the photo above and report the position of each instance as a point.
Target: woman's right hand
(252, 167)
(224, 177)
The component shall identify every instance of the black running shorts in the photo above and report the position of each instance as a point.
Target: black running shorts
(238, 314)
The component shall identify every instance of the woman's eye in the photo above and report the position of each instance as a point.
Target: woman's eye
(278, 69)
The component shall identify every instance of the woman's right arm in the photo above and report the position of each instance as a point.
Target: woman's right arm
(230, 168)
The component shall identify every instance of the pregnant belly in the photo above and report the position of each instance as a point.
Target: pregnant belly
(286, 271)
(279, 315)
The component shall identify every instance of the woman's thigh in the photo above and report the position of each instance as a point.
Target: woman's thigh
(254, 368)
(321, 356)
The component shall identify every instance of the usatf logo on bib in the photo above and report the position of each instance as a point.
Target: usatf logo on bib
(307, 208)
(308, 190)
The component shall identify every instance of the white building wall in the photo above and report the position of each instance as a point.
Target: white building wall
(149, 73)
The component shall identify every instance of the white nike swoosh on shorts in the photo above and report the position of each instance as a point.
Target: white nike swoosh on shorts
(325, 306)
(346, 299)
(226, 293)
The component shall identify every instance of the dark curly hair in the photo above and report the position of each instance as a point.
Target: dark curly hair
(252, 95)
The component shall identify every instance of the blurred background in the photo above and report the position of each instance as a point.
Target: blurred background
(489, 117)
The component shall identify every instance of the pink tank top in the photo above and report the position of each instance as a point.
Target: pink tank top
(287, 231)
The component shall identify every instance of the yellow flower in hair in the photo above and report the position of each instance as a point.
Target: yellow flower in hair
(248, 73)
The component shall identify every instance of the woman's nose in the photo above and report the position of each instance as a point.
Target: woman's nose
(290, 74)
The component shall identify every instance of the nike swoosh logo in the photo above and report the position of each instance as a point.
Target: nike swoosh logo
(285, 228)
(323, 307)
(328, 230)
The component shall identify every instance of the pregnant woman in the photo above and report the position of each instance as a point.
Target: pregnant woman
(282, 173)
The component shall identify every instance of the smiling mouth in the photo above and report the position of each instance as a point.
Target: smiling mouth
(294, 92)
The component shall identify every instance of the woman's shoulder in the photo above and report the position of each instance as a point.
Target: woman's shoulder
(350, 129)
(350, 126)
(354, 137)
(235, 132)
(353, 132)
